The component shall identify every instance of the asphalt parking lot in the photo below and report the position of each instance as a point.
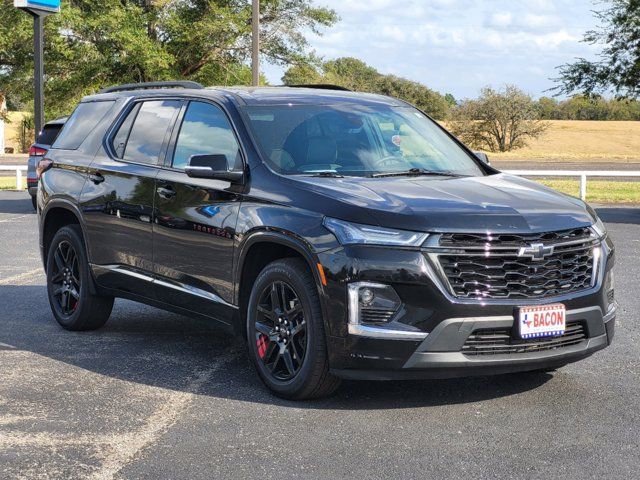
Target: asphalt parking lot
(158, 395)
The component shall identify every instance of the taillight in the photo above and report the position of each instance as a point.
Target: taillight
(37, 151)
(43, 165)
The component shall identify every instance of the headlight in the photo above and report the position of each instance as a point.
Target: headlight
(354, 233)
(599, 228)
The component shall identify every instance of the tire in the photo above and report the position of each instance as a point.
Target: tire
(73, 304)
(34, 202)
(293, 325)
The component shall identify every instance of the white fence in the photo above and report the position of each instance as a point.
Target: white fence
(581, 174)
(18, 169)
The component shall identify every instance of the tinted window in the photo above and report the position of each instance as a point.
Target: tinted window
(49, 133)
(206, 131)
(119, 141)
(355, 140)
(81, 123)
(149, 130)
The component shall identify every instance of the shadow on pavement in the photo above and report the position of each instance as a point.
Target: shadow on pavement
(147, 346)
(15, 202)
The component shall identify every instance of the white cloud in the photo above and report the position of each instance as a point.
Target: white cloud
(459, 46)
(534, 21)
(555, 39)
(347, 6)
(394, 33)
(500, 19)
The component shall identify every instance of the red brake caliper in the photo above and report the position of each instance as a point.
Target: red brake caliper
(262, 343)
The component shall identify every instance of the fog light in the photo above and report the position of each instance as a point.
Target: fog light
(371, 303)
(366, 296)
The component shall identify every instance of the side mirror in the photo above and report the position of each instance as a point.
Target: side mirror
(483, 157)
(212, 166)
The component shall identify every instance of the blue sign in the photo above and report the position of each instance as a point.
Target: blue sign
(38, 5)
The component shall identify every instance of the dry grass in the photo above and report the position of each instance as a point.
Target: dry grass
(582, 141)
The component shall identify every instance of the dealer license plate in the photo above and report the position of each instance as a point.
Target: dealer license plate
(542, 321)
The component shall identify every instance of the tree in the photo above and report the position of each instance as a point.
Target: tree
(416, 94)
(3, 110)
(451, 100)
(618, 68)
(351, 73)
(548, 108)
(498, 120)
(93, 44)
(356, 75)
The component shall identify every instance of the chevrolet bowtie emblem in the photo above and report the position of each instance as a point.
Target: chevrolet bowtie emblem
(535, 251)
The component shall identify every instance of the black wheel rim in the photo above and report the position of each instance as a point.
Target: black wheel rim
(65, 278)
(280, 331)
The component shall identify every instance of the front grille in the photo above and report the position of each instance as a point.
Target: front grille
(480, 266)
(499, 341)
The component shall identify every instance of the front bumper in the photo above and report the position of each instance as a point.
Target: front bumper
(440, 355)
(425, 340)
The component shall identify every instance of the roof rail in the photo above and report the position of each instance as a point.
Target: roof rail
(321, 86)
(148, 85)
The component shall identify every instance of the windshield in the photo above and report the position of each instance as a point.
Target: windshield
(355, 140)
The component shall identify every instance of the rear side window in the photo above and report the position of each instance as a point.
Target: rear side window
(81, 123)
(49, 133)
(119, 142)
(143, 142)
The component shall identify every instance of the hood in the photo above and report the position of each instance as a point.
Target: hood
(496, 203)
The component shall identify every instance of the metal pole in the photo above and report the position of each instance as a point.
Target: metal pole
(38, 72)
(255, 43)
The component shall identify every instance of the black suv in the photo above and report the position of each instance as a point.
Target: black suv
(344, 235)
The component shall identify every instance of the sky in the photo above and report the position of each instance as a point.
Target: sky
(459, 46)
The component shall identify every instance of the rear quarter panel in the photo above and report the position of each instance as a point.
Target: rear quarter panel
(62, 185)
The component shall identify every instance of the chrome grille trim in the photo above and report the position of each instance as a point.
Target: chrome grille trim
(491, 269)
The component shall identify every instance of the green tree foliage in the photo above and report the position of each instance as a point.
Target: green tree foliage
(595, 107)
(92, 44)
(499, 120)
(356, 75)
(451, 100)
(618, 68)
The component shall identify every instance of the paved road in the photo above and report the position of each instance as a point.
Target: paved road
(156, 395)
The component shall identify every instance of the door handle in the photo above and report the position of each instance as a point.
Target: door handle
(166, 192)
(96, 178)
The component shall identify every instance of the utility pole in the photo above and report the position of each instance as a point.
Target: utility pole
(255, 42)
(38, 72)
(38, 9)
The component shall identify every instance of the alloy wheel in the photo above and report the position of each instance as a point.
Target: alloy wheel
(280, 331)
(65, 278)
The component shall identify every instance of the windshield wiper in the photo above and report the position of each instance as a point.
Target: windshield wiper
(324, 174)
(416, 172)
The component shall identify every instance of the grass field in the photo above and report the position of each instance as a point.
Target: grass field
(599, 191)
(9, 183)
(582, 141)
